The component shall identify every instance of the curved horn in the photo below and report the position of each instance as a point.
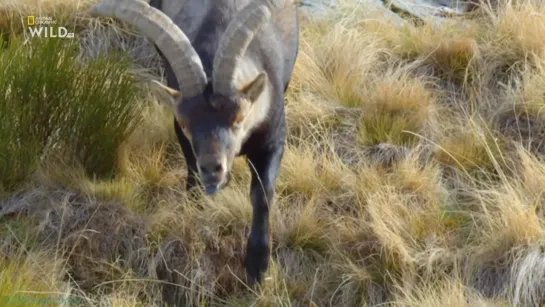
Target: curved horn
(237, 38)
(168, 37)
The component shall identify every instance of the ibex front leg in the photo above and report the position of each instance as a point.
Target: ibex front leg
(264, 166)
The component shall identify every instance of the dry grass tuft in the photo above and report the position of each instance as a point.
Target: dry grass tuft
(469, 150)
(396, 110)
(521, 117)
(454, 57)
(99, 240)
(448, 293)
(517, 29)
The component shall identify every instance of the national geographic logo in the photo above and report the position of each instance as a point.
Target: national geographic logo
(40, 26)
(40, 20)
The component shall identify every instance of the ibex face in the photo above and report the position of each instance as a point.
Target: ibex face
(214, 114)
(216, 126)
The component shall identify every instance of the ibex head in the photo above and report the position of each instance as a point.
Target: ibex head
(213, 115)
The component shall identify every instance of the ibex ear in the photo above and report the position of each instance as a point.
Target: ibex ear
(173, 96)
(253, 89)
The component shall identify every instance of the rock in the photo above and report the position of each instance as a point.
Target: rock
(424, 9)
(429, 10)
(322, 8)
(317, 7)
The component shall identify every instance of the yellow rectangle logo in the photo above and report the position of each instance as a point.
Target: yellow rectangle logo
(30, 20)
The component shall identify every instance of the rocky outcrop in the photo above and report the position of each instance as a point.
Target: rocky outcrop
(397, 10)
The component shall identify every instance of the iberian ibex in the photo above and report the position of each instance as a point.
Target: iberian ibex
(228, 65)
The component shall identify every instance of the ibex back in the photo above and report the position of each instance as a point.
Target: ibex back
(228, 64)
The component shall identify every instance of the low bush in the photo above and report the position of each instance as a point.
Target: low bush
(53, 101)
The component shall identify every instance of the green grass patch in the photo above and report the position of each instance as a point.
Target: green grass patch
(52, 100)
(28, 281)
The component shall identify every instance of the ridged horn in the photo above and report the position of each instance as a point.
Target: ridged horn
(236, 39)
(168, 37)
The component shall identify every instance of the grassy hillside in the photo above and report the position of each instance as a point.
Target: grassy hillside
(413, 174)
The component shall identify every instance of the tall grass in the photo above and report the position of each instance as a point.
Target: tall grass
(52, 101)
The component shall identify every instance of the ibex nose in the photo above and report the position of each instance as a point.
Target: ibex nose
(211, 168)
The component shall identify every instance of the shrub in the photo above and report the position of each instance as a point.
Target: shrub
(54, 101)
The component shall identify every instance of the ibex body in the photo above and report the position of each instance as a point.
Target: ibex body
(228, 65)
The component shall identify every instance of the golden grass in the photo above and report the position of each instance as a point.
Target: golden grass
(396, 111)
(520, 116)
(468, 149)
(457, 220)
(449, 293)
(517, 29)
